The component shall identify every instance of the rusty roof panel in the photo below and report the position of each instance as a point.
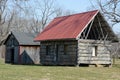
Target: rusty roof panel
(66, 27)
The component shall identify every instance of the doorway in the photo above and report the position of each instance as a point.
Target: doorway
(12, 55)
(56, 61)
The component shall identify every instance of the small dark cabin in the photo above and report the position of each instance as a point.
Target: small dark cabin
(21, 49)
(78, 39)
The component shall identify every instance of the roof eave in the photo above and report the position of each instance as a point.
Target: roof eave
(56, 39)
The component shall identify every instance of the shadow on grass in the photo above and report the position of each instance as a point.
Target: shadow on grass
(116, 65)
(80, 66)
(44, 65)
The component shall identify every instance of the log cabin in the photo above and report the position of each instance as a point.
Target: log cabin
(21, 49)
(78, 39)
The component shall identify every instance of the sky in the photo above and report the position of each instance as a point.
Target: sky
(75, 5)
(78, 6)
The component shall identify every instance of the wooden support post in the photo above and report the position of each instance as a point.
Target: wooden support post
(89, 29)
(94, 33)
(84, 33)
(100, 27)
(77, 54)
(98, 32)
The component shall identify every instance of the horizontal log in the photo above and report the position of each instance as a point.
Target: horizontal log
(47, 59)
(48, 62)
(98, 55)
(58, 63)
(58, 42)
(94, 62)
(67, 60)
(67, 63)
(82, 48)
(92, 41)
(91, 45)
(90, 52)
(71, 53)
(84, 51)
(94, 58)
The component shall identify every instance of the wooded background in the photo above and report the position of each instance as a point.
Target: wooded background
(34, 15)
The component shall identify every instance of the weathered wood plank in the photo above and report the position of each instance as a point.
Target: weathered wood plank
(92, 41)
(85, 48)
(98, 55)
(59, 56)
(94, 58)
(94, 62)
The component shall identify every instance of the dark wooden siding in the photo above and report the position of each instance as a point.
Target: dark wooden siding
(85, 52)
(57, 54)
(21, 54)
(12, 50)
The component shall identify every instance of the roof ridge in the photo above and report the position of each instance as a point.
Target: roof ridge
(76, 14)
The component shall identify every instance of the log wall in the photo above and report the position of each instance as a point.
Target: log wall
(21, 54)
(85, 52)
(12, 56)
(58, 54)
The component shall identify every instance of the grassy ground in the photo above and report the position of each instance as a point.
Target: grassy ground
(27, 72)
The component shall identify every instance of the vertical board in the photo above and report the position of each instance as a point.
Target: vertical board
(16, 55)
(30, 54)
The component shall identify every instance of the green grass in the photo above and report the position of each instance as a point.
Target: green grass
(27, 72)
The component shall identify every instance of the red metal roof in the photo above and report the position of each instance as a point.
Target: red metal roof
(66, 27)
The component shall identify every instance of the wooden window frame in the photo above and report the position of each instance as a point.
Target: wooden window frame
(94, 50)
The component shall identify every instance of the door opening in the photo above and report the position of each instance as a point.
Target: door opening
(12, 55)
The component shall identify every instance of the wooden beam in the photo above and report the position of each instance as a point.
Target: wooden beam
(89, 29)
(100, 26)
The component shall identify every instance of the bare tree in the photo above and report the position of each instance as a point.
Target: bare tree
(62, 12)
(29, 18)
(47, 11)
(111, 10)
(2, 17)
(27, 15)
(39, 14)
(6, 16)
(35, 16)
